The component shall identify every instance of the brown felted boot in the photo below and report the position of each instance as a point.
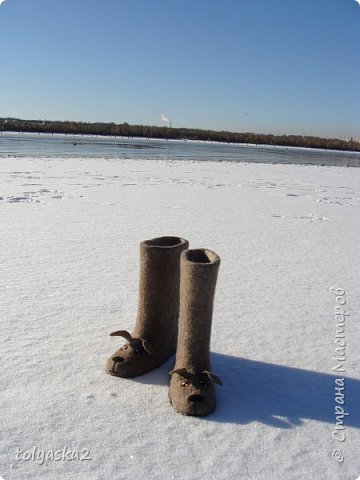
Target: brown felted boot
(154, 338)
(192, 389)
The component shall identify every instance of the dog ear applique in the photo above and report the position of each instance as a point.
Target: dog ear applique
(122, 333)
(147, 347)
(214, 378)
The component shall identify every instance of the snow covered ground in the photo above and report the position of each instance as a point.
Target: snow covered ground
(286, 234)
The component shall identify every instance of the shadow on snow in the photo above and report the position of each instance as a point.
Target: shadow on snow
(275, 395)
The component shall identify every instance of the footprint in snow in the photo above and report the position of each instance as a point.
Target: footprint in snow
(310, 217)
(35, 196)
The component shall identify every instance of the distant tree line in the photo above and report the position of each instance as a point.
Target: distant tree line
(126, 130)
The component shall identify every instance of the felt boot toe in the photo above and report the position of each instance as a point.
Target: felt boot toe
(189, 398)
(127, 362)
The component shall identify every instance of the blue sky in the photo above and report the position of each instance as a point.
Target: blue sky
(269, 66)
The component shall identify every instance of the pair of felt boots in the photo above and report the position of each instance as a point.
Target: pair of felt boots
(176, 293)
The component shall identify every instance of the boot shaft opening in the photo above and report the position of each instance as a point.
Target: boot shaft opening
(201, 255)
(164, 242)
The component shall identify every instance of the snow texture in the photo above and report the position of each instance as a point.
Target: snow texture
(286, 234)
